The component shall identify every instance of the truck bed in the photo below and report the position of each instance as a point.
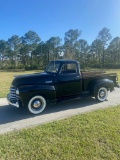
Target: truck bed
(88, 76)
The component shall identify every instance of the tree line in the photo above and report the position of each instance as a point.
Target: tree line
(30, 52)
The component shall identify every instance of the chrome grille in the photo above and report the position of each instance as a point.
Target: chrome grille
(13, 96)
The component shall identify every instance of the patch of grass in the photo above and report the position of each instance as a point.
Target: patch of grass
(94, 136)
(6, 79)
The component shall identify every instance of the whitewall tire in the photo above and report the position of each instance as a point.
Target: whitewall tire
(101, 94)
(36, 104)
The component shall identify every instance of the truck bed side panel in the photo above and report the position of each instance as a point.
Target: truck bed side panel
(93, 76)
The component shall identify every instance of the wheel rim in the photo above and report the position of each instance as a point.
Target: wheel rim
(37, 104)
(102, 94)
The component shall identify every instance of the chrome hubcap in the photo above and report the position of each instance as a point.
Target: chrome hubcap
(37, 104)
(102, 94)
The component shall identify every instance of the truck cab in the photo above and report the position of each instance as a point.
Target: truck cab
(68, 78)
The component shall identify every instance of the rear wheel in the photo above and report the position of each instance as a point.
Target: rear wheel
(36, 104)
(101, 94)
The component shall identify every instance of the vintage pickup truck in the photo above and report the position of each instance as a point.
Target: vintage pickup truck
(62, 80)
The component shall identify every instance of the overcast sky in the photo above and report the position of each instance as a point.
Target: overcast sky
(55, 17)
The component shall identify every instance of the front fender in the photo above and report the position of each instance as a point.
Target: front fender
(28, 91)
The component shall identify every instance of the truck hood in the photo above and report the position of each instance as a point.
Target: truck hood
(33, 79)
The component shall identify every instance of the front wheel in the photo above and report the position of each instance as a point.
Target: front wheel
(101, 94)
(36, 104)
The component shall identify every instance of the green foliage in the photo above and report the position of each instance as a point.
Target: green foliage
(29, 52)
(104, 36)
(30, 38)
(94, 136)
(71, 42)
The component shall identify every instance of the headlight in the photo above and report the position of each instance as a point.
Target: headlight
(17, 91)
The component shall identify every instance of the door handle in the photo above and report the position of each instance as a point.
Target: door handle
(77, 77)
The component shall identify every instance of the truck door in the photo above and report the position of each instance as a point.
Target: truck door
(69, 80)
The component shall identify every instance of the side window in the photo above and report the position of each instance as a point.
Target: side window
(69, 68)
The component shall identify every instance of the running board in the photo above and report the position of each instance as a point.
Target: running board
(68, 98)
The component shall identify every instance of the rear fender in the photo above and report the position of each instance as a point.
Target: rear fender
(109, 84)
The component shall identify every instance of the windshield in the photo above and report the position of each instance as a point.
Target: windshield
(53, 67)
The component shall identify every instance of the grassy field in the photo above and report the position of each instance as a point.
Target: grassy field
(91, 136)
(7, 77)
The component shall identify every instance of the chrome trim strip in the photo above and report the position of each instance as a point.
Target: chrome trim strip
(48, 82)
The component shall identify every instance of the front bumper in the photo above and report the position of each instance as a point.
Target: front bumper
(15, 104)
